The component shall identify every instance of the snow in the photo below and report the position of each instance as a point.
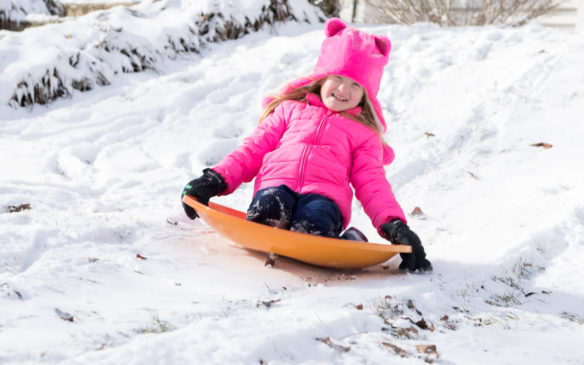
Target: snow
(105, 267)
(87, 52)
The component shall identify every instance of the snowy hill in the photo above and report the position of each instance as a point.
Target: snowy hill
(103, 267)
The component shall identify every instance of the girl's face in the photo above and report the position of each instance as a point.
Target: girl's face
(340, 93)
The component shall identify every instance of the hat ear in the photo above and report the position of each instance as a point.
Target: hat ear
(383, 44)
(333, 26)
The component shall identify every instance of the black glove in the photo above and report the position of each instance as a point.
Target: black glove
(203, 188)
(399, 233)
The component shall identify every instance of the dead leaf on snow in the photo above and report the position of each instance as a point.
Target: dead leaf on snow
(141, 257)
(18, 208)
(449, 324)
(417, 211)
(398, 350)
(426, 349)
(545, 145)
(268, 303)
(64, 315)
(329, 342)
(429, 350)
(425, 325)
(422, 324)
(409, 332)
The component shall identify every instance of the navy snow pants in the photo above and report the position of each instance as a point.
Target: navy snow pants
(307, 213)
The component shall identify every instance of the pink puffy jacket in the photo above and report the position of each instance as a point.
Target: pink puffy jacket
(312, 149)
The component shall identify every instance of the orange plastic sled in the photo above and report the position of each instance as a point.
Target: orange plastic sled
(316, 250)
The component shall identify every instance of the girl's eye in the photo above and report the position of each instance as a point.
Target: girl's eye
(356, 85)
(338, 78)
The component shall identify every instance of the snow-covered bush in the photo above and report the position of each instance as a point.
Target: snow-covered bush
(92, 50)
(329, 7)
(15, 14)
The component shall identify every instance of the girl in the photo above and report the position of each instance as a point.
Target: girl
(321, 134)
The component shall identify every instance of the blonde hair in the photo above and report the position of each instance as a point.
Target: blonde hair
(366, 117)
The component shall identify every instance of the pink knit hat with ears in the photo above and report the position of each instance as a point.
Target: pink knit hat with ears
(352, 53)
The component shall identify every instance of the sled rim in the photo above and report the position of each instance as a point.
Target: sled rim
(315, 250)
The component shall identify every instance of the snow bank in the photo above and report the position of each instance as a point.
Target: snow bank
(91, 51)
(14, 14)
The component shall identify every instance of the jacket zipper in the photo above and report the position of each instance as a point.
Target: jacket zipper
(307, 149)
(317, 138)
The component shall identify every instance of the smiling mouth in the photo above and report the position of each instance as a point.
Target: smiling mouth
(339, 98)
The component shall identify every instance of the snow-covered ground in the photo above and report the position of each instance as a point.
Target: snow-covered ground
(105, 268)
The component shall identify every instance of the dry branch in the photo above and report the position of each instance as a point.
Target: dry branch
(450, 13)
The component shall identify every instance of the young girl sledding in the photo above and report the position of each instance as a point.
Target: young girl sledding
(322, 133)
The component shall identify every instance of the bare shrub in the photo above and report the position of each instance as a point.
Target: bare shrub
(134, 54)
(49, 87)
(512, 12)
(55, 7)
(330, 8)
(215, 27)
(459, 13)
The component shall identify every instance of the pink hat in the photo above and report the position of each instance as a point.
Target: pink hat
(352, 53)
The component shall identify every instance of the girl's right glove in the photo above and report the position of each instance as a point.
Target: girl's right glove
(203, 188)
(399, 233)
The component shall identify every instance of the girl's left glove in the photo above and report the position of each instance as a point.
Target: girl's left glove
(399, 233)
(203, 188)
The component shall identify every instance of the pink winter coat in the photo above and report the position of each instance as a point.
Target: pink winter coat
(312, 149)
